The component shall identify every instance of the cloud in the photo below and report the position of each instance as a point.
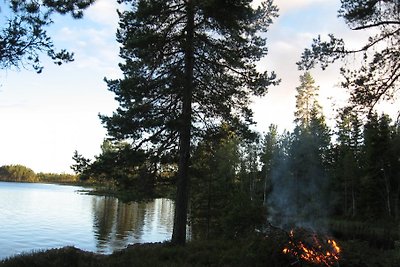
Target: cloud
(293, 31)
(285, 5)
(95, 47)
(104, 12)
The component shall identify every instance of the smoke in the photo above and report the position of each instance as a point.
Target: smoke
(298, 194)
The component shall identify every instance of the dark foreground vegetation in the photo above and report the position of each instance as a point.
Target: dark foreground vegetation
(255, 251)
(184, 120)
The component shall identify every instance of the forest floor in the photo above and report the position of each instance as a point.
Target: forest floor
(258, 251)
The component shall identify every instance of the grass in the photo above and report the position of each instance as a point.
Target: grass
(257, 251)
(381, 235)
(68, 256)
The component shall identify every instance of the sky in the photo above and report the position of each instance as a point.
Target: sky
(46, 117)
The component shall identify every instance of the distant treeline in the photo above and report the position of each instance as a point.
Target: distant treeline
(20, 173)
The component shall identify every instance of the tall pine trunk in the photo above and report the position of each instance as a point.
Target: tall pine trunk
(353, 202)
(182, 190)
(387, 191)
(346, 210)
(265, 190)
(397, 205)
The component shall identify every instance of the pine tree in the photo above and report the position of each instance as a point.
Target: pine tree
(300, 164)
(23, 37)
(309, 159)
(378, 77)
(306, 100)
(321, 135)
(309, 118)
(81, 163)
(188, 66)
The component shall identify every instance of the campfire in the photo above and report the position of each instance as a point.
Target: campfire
(307, 245)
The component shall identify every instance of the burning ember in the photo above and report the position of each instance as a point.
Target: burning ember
(306, 245)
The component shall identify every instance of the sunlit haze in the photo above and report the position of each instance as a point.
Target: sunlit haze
(45, 117)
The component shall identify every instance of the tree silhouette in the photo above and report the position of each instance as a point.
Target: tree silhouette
(379, 75)
(188, 66)
(23, 37)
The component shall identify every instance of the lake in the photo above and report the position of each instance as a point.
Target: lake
(43, 216)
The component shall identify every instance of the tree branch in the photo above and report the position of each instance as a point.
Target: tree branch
(389, 22)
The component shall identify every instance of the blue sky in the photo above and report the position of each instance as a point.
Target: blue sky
(45, 117)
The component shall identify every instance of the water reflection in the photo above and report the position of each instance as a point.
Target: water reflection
(117, 224)
(38, 216)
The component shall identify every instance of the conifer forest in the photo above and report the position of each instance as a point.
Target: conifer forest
(323, 193)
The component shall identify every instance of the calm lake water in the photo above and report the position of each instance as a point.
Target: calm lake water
(42, 216)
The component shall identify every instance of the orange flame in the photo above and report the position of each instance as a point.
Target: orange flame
(317, 253)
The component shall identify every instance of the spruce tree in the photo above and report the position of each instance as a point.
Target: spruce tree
(268, 157)
(348, 161)
(215, 163)
(395, 163)
(372, 202)
(380, 178)
(188, 66)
